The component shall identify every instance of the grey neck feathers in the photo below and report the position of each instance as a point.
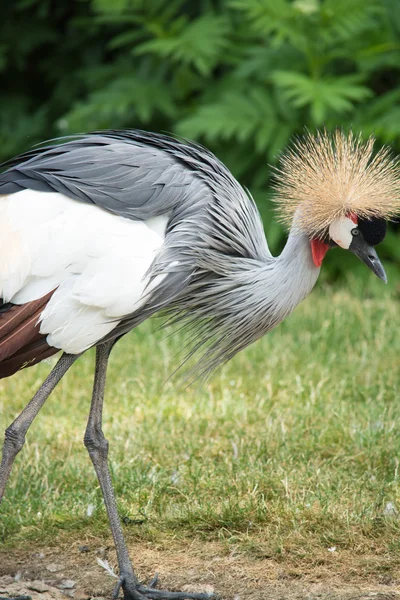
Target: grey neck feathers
(294, 272)
(233, 301)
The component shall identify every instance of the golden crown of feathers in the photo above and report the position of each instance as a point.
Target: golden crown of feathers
(324, 177)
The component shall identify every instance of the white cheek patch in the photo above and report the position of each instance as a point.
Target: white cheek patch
(340, 232)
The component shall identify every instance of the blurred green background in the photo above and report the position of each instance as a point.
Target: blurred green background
(240, 76)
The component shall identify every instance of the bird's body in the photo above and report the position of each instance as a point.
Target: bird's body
(114, 230)
(104, 230)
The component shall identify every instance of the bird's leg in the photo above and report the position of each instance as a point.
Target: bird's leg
(97, 446)
(15, 433)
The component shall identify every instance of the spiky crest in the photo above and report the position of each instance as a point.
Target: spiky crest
(327, 176)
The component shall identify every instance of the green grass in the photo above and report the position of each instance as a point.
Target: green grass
(293, 448)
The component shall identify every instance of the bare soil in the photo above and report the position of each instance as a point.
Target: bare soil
(72, 570)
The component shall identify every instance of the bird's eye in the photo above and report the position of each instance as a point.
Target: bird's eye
(355, 231)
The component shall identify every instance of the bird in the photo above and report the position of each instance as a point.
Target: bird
(102, 230)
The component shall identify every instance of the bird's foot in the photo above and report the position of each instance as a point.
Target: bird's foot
(16, 598)
(135, 591)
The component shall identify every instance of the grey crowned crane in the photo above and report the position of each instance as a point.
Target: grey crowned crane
(106, 229)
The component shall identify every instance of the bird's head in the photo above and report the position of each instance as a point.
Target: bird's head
(339, 193)
(360, 236)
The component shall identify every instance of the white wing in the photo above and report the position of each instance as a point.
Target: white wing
(96, 262)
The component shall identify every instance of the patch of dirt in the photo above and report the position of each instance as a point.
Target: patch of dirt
(73, 570)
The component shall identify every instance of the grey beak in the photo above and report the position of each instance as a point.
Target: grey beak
(368, 255)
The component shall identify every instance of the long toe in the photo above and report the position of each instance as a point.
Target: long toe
(153, 594)
(16, 598)
(142, 592)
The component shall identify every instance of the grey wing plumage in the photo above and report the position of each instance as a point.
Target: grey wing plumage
(121, 173)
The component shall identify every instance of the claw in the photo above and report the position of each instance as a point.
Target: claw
(154, 581)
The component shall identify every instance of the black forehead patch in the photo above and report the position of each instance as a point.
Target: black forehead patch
(373, 230)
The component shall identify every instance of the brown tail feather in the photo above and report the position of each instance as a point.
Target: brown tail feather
(31, 355)
(12, 315)
(21, 343)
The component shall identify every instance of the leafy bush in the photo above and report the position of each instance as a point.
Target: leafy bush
(241, 76)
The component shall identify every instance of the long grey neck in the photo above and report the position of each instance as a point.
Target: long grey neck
(294, 272)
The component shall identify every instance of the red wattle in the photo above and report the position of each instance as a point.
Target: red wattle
(353, 217)
(318, 250)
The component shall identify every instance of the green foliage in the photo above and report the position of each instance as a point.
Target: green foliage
(250, 115)
(331, 94)
(241, 76)
(198, 43)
